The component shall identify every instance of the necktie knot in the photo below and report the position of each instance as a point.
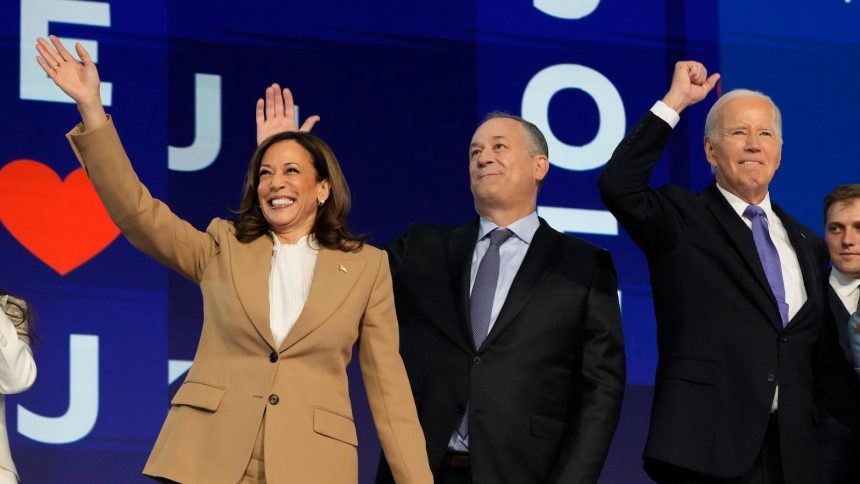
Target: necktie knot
(499, 236)
(753, 211)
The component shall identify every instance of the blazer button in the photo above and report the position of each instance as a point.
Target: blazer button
(771, 377)
(273, 399)
(476, 360)
(460, 408)
(783, 339)
(273, 357)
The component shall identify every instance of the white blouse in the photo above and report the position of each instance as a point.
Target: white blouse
(289, 283)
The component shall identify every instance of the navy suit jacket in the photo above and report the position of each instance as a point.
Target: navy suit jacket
(840, 316)
(839, 445)
(545, 387)
(721, 344)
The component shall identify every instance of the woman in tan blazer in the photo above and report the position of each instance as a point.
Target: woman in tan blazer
(266, 399)
(17, 369)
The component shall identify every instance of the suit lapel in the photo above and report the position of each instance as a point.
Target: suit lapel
(459, 247)
(537, 264)
(251, 264)
(742, 239)
(840, 316)
(800, 243)
(335, 273)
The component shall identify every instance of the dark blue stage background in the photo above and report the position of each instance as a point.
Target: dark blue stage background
(400, 87)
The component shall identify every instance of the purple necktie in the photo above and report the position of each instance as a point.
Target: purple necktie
(481, 300)
(769, 257)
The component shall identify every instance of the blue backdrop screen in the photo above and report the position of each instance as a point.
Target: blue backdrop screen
(400, 87)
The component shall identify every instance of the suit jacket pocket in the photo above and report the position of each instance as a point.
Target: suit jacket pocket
(199, 395)
(696, 371)
(547, 428)
(335, 426)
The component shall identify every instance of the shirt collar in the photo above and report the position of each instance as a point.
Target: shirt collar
(841, 283)
(524, 228)
(739, 205)
(308, 241)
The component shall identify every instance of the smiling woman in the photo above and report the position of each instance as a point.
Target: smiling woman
(287, 294)
(294, 186)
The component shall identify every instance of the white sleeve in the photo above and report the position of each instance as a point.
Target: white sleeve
(17, 368)
(664, 112)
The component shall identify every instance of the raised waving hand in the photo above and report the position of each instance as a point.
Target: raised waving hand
(277, 113)
(79, 80)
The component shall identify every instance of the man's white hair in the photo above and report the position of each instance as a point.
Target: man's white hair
(715, 116)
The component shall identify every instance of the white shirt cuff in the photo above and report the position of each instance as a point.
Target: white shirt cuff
(664, 112)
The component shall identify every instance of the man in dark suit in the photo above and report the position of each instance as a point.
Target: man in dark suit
(737, 295)
(510, 330)
(840, 447)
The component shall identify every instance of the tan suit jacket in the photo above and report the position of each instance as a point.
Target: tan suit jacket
(239, 375)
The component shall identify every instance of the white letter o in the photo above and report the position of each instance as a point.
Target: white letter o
(567, 9)
(538, 94)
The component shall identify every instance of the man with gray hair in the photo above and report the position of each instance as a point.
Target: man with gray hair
(510, 331)
(737, 295)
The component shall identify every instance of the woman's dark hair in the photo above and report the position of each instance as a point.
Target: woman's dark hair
(21, 315)
(330, 226)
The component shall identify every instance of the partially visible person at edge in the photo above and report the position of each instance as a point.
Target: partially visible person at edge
(840, 446)
(17, 371)
(737, 296)
(287, 293)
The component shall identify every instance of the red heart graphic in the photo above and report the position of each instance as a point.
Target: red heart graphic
(62, 222)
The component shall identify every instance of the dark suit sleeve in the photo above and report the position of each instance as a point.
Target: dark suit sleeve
(648, 217)
(396, 250)
(601, 385)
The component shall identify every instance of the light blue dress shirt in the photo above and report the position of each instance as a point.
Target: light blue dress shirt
(511, 255)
